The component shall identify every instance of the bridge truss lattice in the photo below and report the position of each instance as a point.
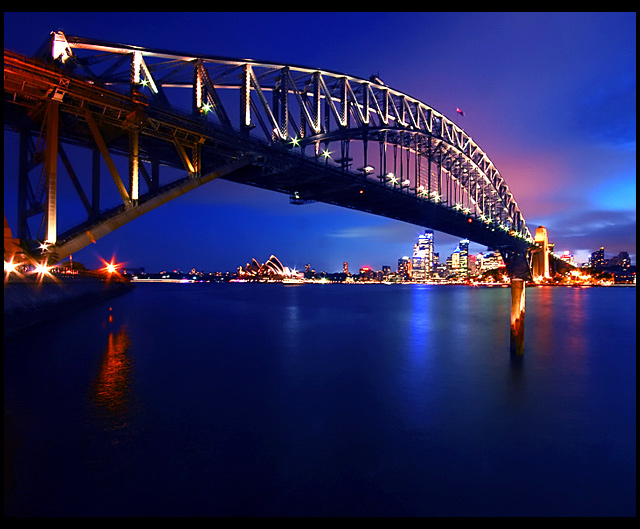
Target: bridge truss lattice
(212, 109)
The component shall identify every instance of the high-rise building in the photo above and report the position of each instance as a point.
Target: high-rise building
(464, 258)
(404, 268)
(453, 263)
(422, 259)
(345, 268)
(597, 259)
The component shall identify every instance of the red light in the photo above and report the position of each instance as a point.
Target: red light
(469, 221)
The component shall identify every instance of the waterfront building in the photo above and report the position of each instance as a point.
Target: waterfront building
(272, 269)
(367, 274)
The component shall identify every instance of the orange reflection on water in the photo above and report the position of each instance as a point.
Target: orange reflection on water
(112, 387)
(561, 323)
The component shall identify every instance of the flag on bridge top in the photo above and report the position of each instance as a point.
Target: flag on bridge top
(459, 111)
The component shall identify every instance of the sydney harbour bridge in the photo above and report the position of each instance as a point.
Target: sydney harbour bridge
(313, 134)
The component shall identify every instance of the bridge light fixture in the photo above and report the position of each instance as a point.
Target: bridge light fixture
(42, 270)
(295, 142)
(392, 178)
(326, 154)
(206, 108)
(458, 206)
(11, 267)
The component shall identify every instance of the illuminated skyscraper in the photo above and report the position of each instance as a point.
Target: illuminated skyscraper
(422, 260)
(464, 257)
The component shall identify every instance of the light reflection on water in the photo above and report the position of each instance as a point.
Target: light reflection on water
(111, 390)
(335, 400)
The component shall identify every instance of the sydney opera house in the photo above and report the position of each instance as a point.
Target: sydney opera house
(272, 270)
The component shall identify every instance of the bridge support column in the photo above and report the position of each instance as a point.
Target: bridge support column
(51, 170)
(517, 316)
(134, 169)
(519, 270)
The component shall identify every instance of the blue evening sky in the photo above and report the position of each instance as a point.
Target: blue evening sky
(550, 97)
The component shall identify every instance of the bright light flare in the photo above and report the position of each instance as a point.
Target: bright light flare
(11, 268)
(42, 270)
(111, 267)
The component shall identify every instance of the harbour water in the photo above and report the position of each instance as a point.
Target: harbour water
(325, 400)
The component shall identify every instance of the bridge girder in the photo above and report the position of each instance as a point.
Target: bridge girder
(413, 163)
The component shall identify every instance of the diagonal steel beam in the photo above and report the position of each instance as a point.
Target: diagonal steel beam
(122, 216)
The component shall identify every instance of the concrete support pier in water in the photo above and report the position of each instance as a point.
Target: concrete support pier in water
(517, 316)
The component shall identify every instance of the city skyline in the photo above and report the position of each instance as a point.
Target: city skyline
(433, 257)
(549, 96)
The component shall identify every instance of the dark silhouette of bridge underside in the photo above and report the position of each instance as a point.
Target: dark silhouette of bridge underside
(398, 158)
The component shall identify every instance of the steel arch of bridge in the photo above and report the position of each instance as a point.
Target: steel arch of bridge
(300, 118)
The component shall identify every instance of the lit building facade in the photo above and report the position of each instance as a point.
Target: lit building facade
(422, 259)
(464, 258)
(597, 259)
(404, 268)
(568, 257)
(489, 260)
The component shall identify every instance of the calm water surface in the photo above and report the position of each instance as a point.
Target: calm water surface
(325, 400)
